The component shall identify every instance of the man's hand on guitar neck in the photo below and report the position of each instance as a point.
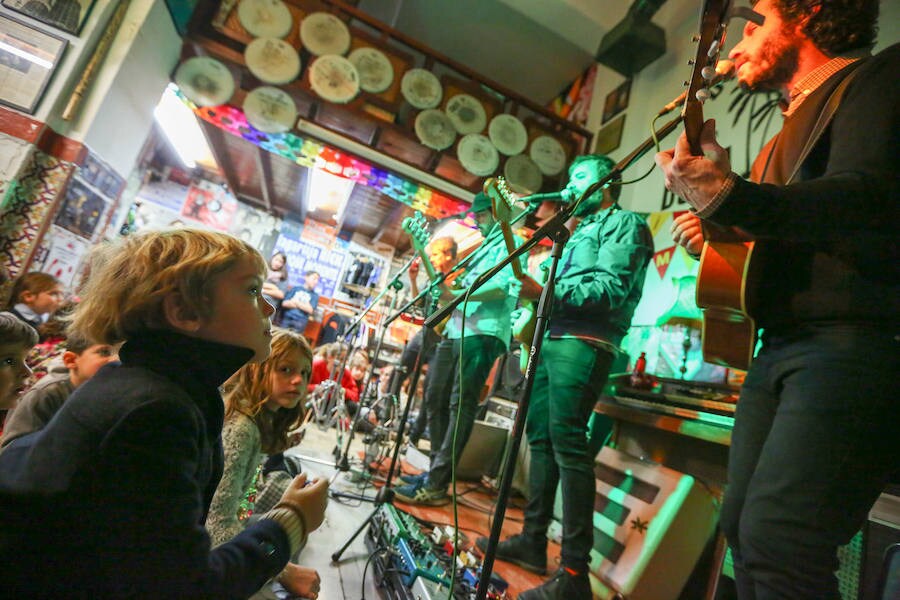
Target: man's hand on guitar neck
(696, 179)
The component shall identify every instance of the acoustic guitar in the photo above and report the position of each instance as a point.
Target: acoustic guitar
(726, 278)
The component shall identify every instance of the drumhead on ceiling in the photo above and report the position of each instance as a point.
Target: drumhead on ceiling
(548, 154)
(272, 60)
(522, 174)
(421, 88)
(508, 134)
(205, 81)
(270, 110)
(435, 129)
(376, 74)
(323, 33)
(334, 78)
(265, 18)
(467, 114)
(477, 154)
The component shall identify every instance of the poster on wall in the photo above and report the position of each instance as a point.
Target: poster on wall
(210, 205)
(28, 58)
(81, 209)
(306, 256)
(65, 255)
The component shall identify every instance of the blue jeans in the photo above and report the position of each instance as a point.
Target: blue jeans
(445, 398)
(568, 379)
(814, 443)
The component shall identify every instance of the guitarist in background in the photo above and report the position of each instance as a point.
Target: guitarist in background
(814, 440)
(486, 336)
(599, 281)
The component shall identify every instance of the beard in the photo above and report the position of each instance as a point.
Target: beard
(778, 62)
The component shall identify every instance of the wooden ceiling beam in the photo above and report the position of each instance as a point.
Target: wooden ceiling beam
(264, 166)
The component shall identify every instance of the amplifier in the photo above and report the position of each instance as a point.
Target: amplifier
(501, 412)
(651, 524)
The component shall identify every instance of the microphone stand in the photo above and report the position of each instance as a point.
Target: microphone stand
(385, 494)
(554, 229)
(343, 463)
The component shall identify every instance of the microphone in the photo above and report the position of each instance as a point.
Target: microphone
(564, 196)
(723, 72)
(459, 215)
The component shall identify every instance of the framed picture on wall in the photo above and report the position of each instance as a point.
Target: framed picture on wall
(67, 15)
(616, 101)
(28, 58)
(610, 136)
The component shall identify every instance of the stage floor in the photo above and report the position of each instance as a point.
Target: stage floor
(344, 580)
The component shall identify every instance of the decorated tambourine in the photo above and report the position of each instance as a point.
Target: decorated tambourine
(272, 60)
(467, 114)
(522, 174)
(270, 110)
(265, 18)
(508, 135)
(205, 81)
(435, 129)
(421, 89)
(375, 70)
(477, 155)
(548, 154)
(334, 78)
(323, 33)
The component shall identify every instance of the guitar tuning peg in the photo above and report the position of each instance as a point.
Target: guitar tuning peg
(713, 49)
(690, 62)
(685, 83)
(708, 73)
(702, 95)
(695, 38)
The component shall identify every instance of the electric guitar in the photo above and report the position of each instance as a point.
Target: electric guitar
(726, 276)
(417, 228)
(502, 199)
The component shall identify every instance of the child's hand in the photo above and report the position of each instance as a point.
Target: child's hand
(300, 581)
(308, 498)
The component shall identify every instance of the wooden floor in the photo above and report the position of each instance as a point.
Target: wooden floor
(345, 579)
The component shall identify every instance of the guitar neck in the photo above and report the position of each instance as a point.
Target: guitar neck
(510, 242)
(426, 262)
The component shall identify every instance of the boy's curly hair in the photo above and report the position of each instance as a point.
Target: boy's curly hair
(251, 391)
(16, 332)
(125, 293)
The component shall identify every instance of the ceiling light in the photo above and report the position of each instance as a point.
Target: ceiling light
(180, 126)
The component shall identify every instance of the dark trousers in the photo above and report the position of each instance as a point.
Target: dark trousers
(814, 443)
(568, 379)
(445, 398)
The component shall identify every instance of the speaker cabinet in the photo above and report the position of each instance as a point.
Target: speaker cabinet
(651, 525)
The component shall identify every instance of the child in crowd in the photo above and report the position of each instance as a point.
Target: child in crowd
(35, 296)
(81, 359)
(46, 356)
(328, 358)
(265, 403)
(16, 338)
(300, 303)
(276, 284)
(111, 497)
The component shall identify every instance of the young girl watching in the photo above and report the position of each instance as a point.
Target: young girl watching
(265, 403)
(35, 296)
(110, 499)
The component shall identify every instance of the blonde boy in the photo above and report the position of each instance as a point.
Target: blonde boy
(113, 494)
(81, 360)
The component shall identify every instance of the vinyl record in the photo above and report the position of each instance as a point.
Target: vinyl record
(272, 60)
(421, 89)
(334, 78)
(508, 135)
(265, 18)
(467, 114)
(477, 154)
(323, 33)
(522, 174)
(270, 110)
(205, 81)
(548, 154)
(435, 129)
(376, 74)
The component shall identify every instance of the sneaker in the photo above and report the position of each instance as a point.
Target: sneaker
(420, 478)
(521, 550)
(562, 585)
(418, 493)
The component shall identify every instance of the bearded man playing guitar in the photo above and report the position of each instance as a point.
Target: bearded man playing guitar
(814, 440)
(599, 281)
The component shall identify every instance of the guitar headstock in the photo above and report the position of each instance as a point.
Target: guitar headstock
(502, 198)
(711, 37)
(417, 228)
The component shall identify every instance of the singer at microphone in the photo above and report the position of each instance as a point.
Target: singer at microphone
(564, 196)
